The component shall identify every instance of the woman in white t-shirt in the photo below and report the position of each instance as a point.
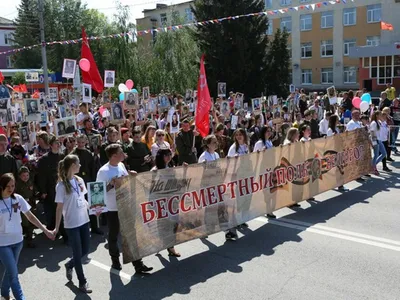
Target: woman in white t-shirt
(378, 147)
(292, 136)
(210, 145)
(305, 133)
(265, 139)
(71, 204)
(160, 143)
(332, 126)
(11, 238)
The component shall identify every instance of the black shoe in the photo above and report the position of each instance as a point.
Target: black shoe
(387, 169)
(116, 265)
(342, 189)
(68, 272)
(97, 231)
(390, 159)
(310, 199)
(270, 216)
(295, 205)
(142, 269)
(244, 225)
(85, 288)
(231, 236)
(367, 175)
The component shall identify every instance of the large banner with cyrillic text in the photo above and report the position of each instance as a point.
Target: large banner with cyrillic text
(160, 209)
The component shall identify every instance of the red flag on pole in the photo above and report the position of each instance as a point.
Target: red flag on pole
(203, 102)
(93, 76)
(1, 78)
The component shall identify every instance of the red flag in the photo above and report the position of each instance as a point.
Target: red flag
(1, 78)
(93, 76)
(203, 102)
(386, 26)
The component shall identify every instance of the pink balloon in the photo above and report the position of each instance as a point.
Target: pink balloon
(84, 64)
(129, 84)
(356, 102)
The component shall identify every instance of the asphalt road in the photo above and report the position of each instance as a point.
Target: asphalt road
(341, 246)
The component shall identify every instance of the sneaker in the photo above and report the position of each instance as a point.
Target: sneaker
(68, 272)
(244, 225)
(295, 205)
(390, 159)
(116, 265)
(85, 288)
(342, 189)
(231, 236)
(143, 269)
(270, 216)
(387, 169)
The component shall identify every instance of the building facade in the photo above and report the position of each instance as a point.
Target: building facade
(320, 40)
(7, 28)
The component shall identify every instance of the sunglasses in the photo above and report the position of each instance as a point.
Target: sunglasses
(160, 134)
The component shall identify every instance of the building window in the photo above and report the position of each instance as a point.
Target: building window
(306, 50)
(347, 44)
(396, 69)
(9, 63)
(163, 18)
(327, 19)
(189, 14)
(327, 48)
(349, 16)
(373, 40)
(305, 22)
(270, 29)
(306, 76)
(268, 3)
(289, 49)
(326, 75)
(374, 13)
(8, 39)
(286, 2)
(286, 23)
(350, 74)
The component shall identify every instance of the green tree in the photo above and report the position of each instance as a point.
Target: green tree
(26, 34)
(235, 50)
(18, 78)
(278, 75)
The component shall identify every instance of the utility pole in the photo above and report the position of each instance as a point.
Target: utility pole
(43, 42)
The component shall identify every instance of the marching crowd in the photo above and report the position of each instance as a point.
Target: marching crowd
(51, 173)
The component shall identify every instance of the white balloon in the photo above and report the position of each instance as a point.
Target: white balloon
(123, 88)
(364, 106)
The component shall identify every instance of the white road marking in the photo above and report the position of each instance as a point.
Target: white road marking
(332, 234)
(109, 269)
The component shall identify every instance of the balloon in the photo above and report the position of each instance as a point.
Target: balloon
(364, 106)
(121, 97)
(366, 97)
(84, 64)
(123, 88)
(356, 102)
(134, 90)
(129, 83)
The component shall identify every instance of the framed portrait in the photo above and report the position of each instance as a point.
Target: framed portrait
(146, 93)
(234, 122)
(62, 111)
(94, 141)
(3, 117)
(32, 109)
(174, 124)
(140, 113)
(53, 94)
(188, 95)
(65, 94)
(224, 109)
(44, 118)
(185, 110)
(256, 104)
(24, 134)
(4, 103)
(69, 67)
(65, 126)
(86, 93)
(221, 89)
(332, 95)
(195, 95)
(131, 100)
(106, 96)
(192, 106)
(151, 105)
(163, 102)
(109, 78)
(32, 76)
(239, 101)
(96, 197)
(4, 93)
(117, 113)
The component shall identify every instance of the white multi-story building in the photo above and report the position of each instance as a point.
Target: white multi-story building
(7, 29)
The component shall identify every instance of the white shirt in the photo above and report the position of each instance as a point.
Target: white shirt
(260, 146)
(323, 126)
(207, 156)
(75, 208)
(353, 125)
(330, 132)
(155, 147)
(10, 219)
(383, 132)
(304, 139)
(243, 149)
(106, 173)
(374, 131)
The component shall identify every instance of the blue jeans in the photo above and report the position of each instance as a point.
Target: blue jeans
(379, 153)
(393, 137)
(79, 239)
(9, 256)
